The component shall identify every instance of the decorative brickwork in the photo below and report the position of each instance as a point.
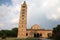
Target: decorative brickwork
(22, 21)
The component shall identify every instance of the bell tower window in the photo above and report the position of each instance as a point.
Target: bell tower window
(23, 9)
(23, 6)
(26, 34)
(22, 15)
(22, 18)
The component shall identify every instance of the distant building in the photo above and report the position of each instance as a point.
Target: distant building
(35, 30)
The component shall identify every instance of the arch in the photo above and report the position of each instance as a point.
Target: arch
(34, 34)
(37, 35)
(41, 35)
(26, 34)
(49, 35)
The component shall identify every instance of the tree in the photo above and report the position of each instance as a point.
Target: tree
(9, 33)
(14, 32)
(56, 32)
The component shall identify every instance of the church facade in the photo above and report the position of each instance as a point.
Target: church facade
(35, 30)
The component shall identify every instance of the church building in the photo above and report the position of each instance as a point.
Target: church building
(35, 30)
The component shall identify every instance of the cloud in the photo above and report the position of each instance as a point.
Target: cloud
(9, 15)
(15, 20)
(58, 10)
(1, 25)
(52, 17)
(42, 12)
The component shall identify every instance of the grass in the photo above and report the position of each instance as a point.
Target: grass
(21, 39)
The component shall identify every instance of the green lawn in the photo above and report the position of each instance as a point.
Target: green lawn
(21, 39)
(8, 39)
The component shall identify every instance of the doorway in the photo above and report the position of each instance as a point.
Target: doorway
(36, 35)
(40, 35)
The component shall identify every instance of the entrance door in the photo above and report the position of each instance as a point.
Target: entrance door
(36, 35)
(40, 35)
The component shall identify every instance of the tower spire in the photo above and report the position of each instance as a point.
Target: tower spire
(22, 21)
(24, 2)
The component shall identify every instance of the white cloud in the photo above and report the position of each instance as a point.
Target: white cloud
(1, 25)
(36, 9)
(58, 10)
(9, 15)
(15, 20)
(52, 16)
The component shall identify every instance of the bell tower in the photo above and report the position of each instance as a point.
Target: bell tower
(22, 21)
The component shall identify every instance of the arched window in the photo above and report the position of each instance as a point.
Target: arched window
(49, 34)
(23, 12)
(23, 6)
(40, 34)
(22, 18)
(26, 34)
(23, 9)
(22, 15)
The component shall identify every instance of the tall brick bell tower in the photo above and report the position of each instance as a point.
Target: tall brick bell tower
(23, 21)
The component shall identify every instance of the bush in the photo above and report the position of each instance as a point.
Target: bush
(56, 33)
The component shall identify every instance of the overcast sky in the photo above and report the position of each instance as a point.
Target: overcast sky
(45, 13)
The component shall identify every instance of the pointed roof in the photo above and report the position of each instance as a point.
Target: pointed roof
(24, 3)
